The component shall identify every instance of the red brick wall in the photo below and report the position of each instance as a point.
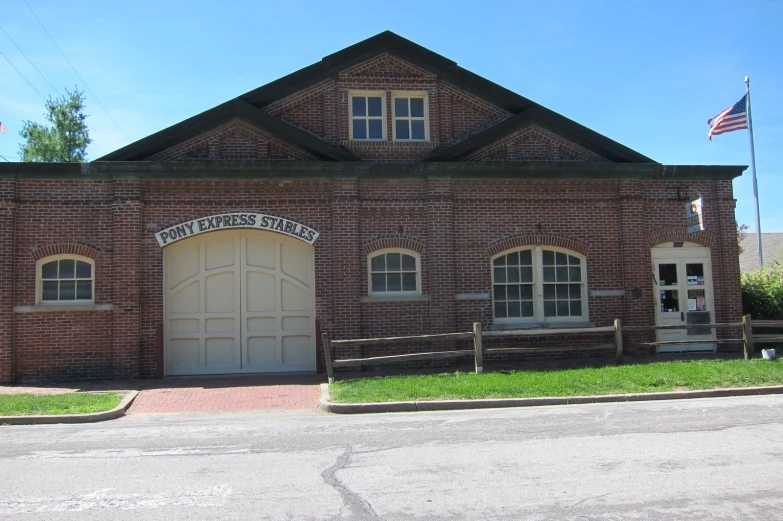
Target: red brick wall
(456, 226)
(235, 141)
(533, 144)
(322, 109)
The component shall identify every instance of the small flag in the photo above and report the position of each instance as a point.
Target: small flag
(731, 119)
(3, 128)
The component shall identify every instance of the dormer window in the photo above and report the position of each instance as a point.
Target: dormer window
(368, 111)
(410, 116)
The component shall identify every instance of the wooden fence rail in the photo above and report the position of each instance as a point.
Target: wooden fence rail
(749, 339)
(477, 352)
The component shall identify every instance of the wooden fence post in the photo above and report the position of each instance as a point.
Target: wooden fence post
(618, 340)
(328, 357)
(479, 349)
(747, 336)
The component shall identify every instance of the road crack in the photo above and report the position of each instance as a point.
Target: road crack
(358, 508)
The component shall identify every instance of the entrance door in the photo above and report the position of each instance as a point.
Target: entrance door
(239, 301)
(683, 296)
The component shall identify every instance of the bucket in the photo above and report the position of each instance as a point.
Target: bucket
(768, 354)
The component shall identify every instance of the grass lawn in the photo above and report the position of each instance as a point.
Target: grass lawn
(69, 403)
(621, 379)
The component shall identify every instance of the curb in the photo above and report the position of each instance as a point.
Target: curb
(112, 414)
(453, 405)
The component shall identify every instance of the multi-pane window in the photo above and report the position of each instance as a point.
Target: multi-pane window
(513, 285)
(367, 119)
(66, 280)
(538, 285)
(409, 118)
(562, 284)
(394, 272)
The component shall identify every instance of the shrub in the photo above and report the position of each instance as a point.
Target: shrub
(762, 293)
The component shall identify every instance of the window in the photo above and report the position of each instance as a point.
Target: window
(368, 116)
(394, 272)
(410, 117)
(64, 280)
(539, 284)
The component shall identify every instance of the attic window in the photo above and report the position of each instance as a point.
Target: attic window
(367, 115)
(410, 116)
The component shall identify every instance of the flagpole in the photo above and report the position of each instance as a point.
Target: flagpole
(753, 169)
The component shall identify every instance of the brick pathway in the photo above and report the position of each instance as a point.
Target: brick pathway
(248, 398)
(204, 394)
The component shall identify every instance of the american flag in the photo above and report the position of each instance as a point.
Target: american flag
(3, 128)
(733, 118)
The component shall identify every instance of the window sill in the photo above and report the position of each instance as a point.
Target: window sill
(389, 143)
(539, 325)
(55, 308)
(396, 298)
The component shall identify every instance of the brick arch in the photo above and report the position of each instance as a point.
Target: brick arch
(537, 240)
(679, 234)
(84, 249)
(393, 241)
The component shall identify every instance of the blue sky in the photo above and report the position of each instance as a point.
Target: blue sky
(646, 74)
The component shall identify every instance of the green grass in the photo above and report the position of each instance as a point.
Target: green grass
(69, 403)
(643, 378)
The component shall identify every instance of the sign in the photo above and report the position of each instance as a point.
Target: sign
(694, 217)
(255, 221)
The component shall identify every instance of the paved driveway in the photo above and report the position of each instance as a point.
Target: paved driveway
(203, 394)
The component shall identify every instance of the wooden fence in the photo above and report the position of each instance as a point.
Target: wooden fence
(477, 352)
(749, 339)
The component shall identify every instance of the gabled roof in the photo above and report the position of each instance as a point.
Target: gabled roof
(235, 109)
(248, 107)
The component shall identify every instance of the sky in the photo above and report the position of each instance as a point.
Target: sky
(646, 74)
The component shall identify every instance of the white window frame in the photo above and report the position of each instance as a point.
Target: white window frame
(367, 93)
(538, 288)
(39, 281)
(403, 251)
(411, 94)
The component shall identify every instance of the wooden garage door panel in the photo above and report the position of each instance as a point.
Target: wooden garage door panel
(276, 273)
(239, 301)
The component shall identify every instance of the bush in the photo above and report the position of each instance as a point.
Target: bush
(762, 293)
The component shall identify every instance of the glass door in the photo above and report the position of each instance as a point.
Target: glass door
(683, 297)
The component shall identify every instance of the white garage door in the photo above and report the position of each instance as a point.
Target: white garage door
(239, 301)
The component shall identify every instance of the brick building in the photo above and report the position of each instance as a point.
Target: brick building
(382, 191)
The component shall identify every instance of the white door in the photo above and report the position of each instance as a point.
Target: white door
(682, 277)
(239, 301)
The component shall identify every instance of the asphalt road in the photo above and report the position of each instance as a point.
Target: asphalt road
(719, 458)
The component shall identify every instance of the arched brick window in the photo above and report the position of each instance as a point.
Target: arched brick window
(394, 272)
(539, 284)
(65, 279)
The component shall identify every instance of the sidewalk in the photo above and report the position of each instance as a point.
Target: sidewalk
(200, 394)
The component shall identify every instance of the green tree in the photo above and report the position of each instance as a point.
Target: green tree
(65, 140)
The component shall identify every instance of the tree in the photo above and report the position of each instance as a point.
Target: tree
(740, 234)
(67, 138)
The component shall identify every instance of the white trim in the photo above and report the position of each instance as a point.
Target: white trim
(63, 303)
(471, 296)
(390, 294)
(49, 308)
(367, 93)
(397, 298)
(411, 94)
(538, 288)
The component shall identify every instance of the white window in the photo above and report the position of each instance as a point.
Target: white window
(65, 280)
(410, 116)
(368, 116)
(394, 272)
(539, 284)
